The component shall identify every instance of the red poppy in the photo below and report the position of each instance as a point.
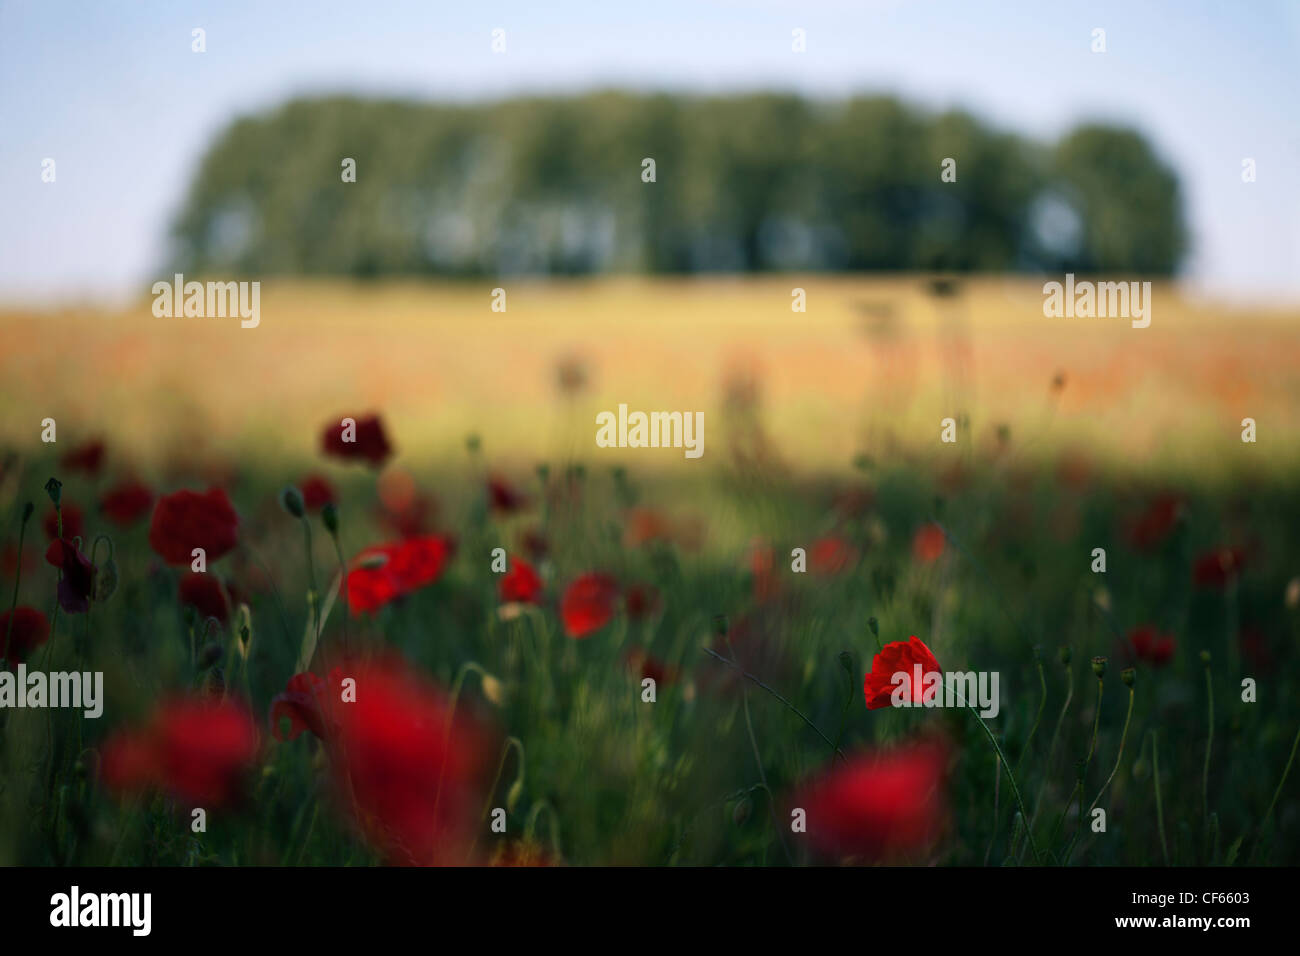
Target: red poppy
(197, 748)
(1151, 646)
(878, 806)
(203, 592)
(898, 657)
(187, 520)
(1214, 569)
(30, 630)
(404, 509)
(521, 583)
(502, 498)
(928, 543)
(408, 767)
(77, 583)
(87, 458)
(640, 601)
(534, 544)
(126, 503)
(762, 564)
(308, 704)
(316, 492)
(830, 556)
(368, 441)
(1157, 522)
(589, 604)
(645, 525)
(640, 662)
(383, 573)
(74, 523)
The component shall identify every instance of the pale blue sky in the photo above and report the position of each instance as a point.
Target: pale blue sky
(112, 92)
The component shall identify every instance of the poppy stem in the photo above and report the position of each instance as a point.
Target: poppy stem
(1051, 750)
(1119, 756)
(1209, 744)
(1155, 776)
(18, 576)
(1042, 702)
(1011, 778)
(758, 759)
(1278, 792)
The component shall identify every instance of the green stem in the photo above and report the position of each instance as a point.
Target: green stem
(1042, 702)
(1011, 777)
(1209, 743)
(1119, 756)
(1160, 813)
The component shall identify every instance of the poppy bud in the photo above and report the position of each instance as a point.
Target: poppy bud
(1127, 675)
(1099, 667)
(211, 653)
(190, 616)
(874, 625)
(291, 499)
(329, 516)
(1065, 654)
(1205, 658)
(492, 689)
(512, 796)
(54, 488)
(105, 580)
(27, 511)
(244, 629)
(740, 813)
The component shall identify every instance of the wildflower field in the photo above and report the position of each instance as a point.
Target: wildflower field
(547, 652)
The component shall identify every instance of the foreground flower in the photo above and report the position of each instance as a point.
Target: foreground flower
(198, 749)
(187, 520)
(878, 806)
(928, 544)
(369, 442)
(204, 593)
(386, 572)
(1151, 646)
(126, 503)
(898, 657)
(521, 583)
(77, 583)
(28, 631)
(589, 604)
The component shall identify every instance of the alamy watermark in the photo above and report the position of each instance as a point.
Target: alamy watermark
(1088, 300)
(82, 690)
(950, 689)
(211, 299)
(653, 430)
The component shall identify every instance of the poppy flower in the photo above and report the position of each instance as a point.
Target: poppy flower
(878, 805)
(829, 556)
(77, 583)
(386, 572)
(520, 583)
(898, 657)
(645, 525)
(74, 523)
(187, 520)
(197, 748)
(1214, 569)
(1151, 646)
(641, 663)
(368, 443)
(534, 544)
(307, 703)
(588, 604)
(928, 543)
(762, 565)
(502, 498)
(640, 601)
(28, 631)
(126, 503)
(1156, 523)
(408, 766)
(203, 592)
(316, 492)
(87, 458)
(404, 509)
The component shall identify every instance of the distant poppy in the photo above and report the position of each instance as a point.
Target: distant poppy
(29, 630)
(831, 555)
(534, 544)
(879, 805)
(1214, 569)
(77, 583)
(187, 520)
(1153, 527)
(384, 573)
(640, 601)
(316, 492)
(898, 657)
(199, 748)
(87, 458)
(589, 604)
(521, 583)
(644, 665)
(762, 566)
(126, 503)
(504, 499)
(74, 523)
(928, 543)
(645, 525)
(363, 439)
(405, 509)
(1151, 646)
(204, 593)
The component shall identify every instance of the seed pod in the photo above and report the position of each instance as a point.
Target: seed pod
(1099, 667)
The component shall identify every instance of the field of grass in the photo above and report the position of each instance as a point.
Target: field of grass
(821, 432)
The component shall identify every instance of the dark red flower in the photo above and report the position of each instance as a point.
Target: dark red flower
(408, 767)
(316, 492)
(534, 544)
(1151, 646)
(1214, 569)
(640, 601)
(928, 544)
(199, 749)
(203, 592)
(187, 520)
(126, 503)
(29, 631)
(74, 523)
(383, 573)
(308, 702)
(830, 556)
(77, 583)
(643, 664)
(589, 604)
(369, 442)
(898, 657)
(520, 583)
(502, 498)
(1157, 522)
(87, 458)
(878, 806)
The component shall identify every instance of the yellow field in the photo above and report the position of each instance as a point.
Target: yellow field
(872, 366)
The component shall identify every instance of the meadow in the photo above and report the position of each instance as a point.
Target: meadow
(521, 685)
